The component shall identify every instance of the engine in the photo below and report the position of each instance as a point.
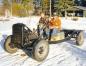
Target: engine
(22, 35)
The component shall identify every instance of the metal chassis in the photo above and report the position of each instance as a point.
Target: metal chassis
(70, 34)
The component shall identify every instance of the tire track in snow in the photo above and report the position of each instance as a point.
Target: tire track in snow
(19, 62)
(57, 58)
(64, 54)
(12, 60)
(8, 59)
(76, 52)
(3, 55)
(73, 52)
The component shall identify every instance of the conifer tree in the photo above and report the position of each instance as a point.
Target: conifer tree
(64, 4)
(44, 5)
(6, 4)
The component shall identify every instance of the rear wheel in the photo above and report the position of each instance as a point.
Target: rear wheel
(80, 38)
(40, 50)
(8, 46)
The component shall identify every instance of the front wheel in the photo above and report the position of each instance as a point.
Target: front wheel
(40, 50)
(8, 46)
(80, 38)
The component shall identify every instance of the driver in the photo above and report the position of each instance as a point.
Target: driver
(54, 23)
(42, 25)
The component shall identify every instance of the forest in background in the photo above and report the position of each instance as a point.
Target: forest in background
(35, 7)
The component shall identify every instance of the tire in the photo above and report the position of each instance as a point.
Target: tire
(40, 50)
(80, 38)
(8, 46)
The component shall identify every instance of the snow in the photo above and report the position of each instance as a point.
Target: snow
(61, 54)
(68, 23)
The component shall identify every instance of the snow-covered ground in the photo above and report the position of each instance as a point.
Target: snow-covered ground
(69, 23)
(61, 54)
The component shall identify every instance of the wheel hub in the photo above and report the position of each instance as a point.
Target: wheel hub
(41, 50)
(11, 45)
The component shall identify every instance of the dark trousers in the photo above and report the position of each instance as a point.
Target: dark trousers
(44, 32)
(50, 34)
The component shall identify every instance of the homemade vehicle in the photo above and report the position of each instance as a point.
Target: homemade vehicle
(23, 38)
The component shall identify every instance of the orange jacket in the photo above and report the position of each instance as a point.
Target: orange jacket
(55, 23)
